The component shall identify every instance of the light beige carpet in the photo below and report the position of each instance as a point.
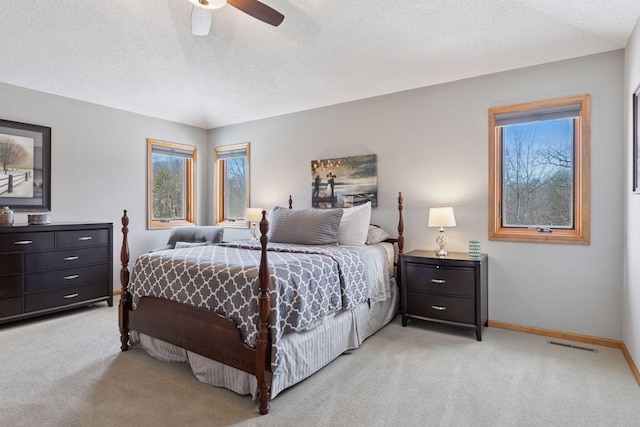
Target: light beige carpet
(67, 370)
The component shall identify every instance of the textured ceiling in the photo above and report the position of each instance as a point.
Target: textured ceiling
(140, 56)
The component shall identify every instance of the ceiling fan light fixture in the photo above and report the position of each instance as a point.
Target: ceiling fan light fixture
(209, 4)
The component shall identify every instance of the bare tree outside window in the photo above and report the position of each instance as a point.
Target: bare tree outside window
(169, 179)
(538, 174)
(539, 171)
(237, 186)
(170, 184)
(233, 184)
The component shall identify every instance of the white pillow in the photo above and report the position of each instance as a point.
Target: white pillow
(376, 235)
(183, 245)
(354, 225)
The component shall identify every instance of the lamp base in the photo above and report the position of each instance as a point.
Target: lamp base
(441, 240)
(254, 231)
(441, 253)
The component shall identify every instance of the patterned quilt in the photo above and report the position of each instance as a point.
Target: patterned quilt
(307, 283)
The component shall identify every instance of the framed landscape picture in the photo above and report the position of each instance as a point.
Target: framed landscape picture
(25, 166)
(344, 182)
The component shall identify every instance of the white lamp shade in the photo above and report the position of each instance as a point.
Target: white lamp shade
(442, 217)
(253, 214)
(209, 4)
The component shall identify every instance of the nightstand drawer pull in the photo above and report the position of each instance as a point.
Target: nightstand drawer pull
(438, 307)
(23, 242)
(439, 281)
(84, 238)
(70, 258)
(71, 277)
(70, 296)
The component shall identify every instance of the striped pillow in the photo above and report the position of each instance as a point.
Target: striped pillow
(304, 226)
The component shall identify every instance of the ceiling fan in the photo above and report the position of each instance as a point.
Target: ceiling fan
(202, 12)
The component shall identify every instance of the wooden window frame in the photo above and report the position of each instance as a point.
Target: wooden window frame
(580, 233)
(220, 189)
(190, 186)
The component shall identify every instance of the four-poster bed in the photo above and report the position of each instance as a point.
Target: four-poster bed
(222, 338)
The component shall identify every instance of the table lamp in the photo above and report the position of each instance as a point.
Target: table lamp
(253, 216)
(441, 217)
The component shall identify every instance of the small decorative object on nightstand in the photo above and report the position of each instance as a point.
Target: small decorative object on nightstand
(450, 291)
(253, 216)
(441, 217)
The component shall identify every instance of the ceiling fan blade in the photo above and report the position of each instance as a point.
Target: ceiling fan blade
(200, 21)
(258, 10)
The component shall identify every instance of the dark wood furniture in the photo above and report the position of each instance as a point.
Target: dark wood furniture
(49, 268)
(450, 291)
(205, 332)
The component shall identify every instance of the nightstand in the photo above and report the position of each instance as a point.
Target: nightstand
(450, 291)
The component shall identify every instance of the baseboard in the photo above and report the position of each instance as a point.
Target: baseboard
(632, 365)
(587, 339)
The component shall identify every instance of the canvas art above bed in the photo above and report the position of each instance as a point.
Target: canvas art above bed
(344, 181)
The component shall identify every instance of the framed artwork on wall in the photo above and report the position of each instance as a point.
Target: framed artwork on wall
(25, 166)
(344, 182)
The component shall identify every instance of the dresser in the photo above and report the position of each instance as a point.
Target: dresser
(49, 268)
(451, 291)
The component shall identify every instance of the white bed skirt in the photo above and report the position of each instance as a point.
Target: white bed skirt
(301, 354)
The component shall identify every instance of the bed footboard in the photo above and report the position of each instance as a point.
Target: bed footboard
(201, 331)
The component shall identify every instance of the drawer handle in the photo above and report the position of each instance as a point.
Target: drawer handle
(71, 277)
(84, 238)
(439, 281)
(70, 258)
(23, 242)
(438, 307)
(70, 296)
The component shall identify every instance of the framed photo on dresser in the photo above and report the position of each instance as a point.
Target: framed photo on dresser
(25, 166)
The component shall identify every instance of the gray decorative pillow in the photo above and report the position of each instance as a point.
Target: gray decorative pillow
(304, 226)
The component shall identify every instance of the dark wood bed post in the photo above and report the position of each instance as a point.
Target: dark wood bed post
(290, 202)
(263, 346)
(400, 237)
(125, 297)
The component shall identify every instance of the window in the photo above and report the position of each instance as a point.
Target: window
(539, 171)
(232, 184)
(171, 171)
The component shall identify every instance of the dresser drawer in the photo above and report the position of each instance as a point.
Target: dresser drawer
(10, 264)
(10, 306)
(82, 238)
(25, 242)
(461, 310)
(61, 297)
(441, 280)
(10, 285)
(65, 258)
(68, 277)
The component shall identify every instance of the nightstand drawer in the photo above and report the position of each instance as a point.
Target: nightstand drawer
(460, 310)
(441, 280)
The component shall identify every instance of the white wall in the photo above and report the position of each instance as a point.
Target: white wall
(631, 307)
(432, 144)
(99, 158)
